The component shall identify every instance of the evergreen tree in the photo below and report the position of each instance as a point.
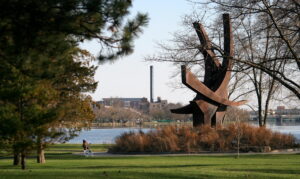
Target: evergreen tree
(73, 110)
(42, 74)
(34, 23)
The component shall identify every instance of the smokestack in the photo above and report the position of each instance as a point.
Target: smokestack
(151, 84)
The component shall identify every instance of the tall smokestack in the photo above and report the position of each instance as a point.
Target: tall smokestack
(151, 84)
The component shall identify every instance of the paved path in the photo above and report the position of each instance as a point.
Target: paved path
(105, 154)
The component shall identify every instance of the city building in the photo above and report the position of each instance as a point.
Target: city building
(280, 114)
(159, 104)
(140, 104)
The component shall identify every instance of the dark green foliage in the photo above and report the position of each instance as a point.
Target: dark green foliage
(32, 24)
(43, 72)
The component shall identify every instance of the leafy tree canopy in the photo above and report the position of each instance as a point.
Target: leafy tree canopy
(32, 24)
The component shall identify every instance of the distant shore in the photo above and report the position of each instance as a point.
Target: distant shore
(153, 124)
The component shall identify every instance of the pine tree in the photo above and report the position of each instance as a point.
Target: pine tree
(42, 73)
(73, 110)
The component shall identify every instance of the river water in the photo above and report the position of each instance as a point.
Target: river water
(108, 135)
(103, 135)
(294, 130)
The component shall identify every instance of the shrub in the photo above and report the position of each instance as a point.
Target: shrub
(173, 139)
(279, 140)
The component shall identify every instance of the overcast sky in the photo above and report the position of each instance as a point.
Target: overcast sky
(129, 76)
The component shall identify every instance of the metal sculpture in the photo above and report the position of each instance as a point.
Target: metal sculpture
(211, 101)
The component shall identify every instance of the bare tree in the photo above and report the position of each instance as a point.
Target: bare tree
(259, 47)
(267, 45)
(233, 113)
(279, 18)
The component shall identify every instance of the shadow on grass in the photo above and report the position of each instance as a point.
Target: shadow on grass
(163, 175)
(50, 156)
(70, 156)
(8, 167)
(93, 157)
(142, 167)
(113, 175)
(64, 156)
(265, 170)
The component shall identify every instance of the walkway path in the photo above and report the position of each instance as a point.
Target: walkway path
(105, 154)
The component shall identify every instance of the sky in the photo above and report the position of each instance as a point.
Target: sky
(130, 75)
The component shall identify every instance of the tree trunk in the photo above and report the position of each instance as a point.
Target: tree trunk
(258, 91)
(266, 109)
(260, 99)
(40, 151)
(260, 117)
(265, 117)
(16, 158)
(41, 155)
(23, 162)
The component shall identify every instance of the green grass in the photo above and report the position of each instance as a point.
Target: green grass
(62, 164)
(71, 148)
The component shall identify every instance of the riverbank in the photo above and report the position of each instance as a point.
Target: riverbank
(107, 135)
(274, 152)
(62, 164)
(153, 124)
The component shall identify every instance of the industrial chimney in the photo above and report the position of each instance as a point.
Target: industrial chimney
(151, 84)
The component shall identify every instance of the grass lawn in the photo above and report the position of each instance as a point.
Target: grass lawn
(62, 164)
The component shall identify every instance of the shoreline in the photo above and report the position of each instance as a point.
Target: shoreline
(205, 153)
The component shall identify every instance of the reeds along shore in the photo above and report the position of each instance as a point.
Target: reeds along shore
(229, 138)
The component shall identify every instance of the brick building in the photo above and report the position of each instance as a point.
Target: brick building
(140, 104)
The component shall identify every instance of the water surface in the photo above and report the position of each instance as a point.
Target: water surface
(108, 135)
(103, 136)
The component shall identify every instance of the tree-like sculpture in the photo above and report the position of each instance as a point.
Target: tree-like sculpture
(211, 101)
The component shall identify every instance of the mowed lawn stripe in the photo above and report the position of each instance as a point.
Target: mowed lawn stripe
(64, 164)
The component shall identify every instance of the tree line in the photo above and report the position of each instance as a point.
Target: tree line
(119, 114)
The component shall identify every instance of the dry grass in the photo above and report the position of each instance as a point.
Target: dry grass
(187, 139)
